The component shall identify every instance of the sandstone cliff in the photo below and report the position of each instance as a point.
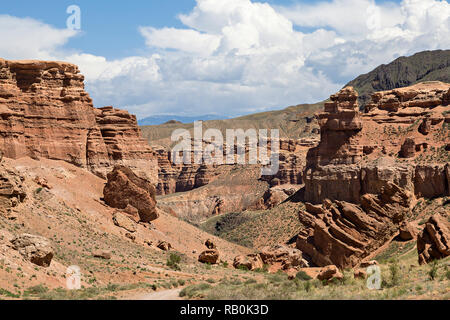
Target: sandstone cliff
(46, 113)
(401, 138)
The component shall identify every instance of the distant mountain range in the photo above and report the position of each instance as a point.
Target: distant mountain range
(167, 119)
(403, 72)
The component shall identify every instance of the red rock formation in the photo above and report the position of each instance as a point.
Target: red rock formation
(342, 234)
(407, 231)
(357, 152)
(278, 257)
(174, 178)
(434, 240)
(250, 262)
(408, 149)
(210, 256)
(12, 191)
(125, 189)
(45, 112)
(184, 177)
(283, 256)
(339, 123)
(35, 249)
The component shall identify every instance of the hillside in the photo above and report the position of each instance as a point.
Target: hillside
(163, 119)
(403, 72)
(292, 123)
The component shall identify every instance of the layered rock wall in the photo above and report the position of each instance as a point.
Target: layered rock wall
(45, 112)
(401, 138)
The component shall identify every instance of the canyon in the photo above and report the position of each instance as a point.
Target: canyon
(356, 181)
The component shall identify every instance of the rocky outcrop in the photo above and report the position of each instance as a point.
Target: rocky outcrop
(342, 234)
(357, 153)
(164, 245)
(102, 254)
(407, 231)
(408, 149)
(292, 163)
(210, 244)
(283, 256)
(249, 262)
(330, 274)
(276, 195)
(431, 180)
(35, 249)
(46, 113)
(278, 257)
(433, 242)
(210, 256)
(185, 177)
(125, 189)
(12, 190)
(339, 123)
(124, 222)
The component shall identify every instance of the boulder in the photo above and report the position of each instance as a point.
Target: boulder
(125, 189)
(102, 254)
(209, 256)
(12, 189)
(366, 264)
(130, 236)
(330, 273)
(210, 244)
(433, 242)
(164, 245)
(124, 222)
(359, 274)
(34, 248)
(425, 127)
(250, 262)
(285, 256)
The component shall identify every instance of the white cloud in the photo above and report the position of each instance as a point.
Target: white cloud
(185, 40)
(237, 56)
(25, 38)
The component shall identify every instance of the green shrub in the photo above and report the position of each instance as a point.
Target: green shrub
(173, 261)
(194, 290)
(39, 289)
(307, 286)
(395, 273)
(432, 273)
(302, 275)
(8, 294)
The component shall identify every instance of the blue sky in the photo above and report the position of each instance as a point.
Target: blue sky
(224, 57)
(110, 27)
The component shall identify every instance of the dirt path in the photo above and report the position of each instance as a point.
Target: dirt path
(159, 295)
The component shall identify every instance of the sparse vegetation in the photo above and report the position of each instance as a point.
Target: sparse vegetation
(173, 261)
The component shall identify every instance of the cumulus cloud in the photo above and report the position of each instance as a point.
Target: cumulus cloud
(23, 38)
(237, 56)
